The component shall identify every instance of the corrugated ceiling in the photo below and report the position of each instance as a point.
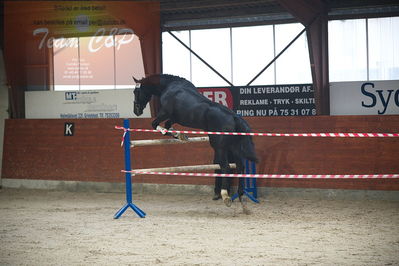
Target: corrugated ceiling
(215, 13)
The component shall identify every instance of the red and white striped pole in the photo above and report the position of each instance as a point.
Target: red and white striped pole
(264, 176)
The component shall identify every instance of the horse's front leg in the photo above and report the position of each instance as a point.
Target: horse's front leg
(162, 116)
(169, 123)
(168, 126)
(176, 135)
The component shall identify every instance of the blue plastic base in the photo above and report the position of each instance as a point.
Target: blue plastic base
(136, 209)
(246, 193)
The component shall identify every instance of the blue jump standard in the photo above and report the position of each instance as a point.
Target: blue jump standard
(250, 183)
(128, 176)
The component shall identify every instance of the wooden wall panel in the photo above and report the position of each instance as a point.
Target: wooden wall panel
(38, 149)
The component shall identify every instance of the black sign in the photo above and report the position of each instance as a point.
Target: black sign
(69, 129)
(277, 100)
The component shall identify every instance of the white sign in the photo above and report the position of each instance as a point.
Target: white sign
(364, 98)
(81, 104)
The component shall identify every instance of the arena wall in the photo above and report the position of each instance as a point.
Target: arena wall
(38, 150)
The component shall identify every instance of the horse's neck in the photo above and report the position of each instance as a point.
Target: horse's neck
(157, 90)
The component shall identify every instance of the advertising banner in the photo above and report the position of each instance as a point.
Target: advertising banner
(364, 98)
(274, 100)
(81, 104)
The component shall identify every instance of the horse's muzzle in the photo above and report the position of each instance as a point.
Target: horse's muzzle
(137, 109)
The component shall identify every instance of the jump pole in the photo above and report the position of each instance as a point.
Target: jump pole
(150, 142)
(183, 168)
(128, 176)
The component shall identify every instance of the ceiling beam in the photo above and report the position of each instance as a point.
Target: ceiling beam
(314, 15)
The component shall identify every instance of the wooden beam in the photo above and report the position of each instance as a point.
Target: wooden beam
(183, 168)
(313, 14)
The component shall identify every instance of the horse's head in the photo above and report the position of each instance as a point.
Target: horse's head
(141, 97)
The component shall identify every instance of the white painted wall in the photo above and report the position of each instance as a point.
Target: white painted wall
(3, 106)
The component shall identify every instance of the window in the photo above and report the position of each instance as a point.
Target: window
(66, 64)
(347, 50)
(294, 64)
(97, 62)
(238, 54)
(364, 49)
(253, 48)
(383, 44)
(96, 67)
(176, 58)
(214, 47)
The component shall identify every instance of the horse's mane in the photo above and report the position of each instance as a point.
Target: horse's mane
(162, 79)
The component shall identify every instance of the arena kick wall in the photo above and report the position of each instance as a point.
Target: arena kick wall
(36, 149)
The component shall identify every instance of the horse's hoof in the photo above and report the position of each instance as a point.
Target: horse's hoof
(228, 201)
(246, 211)
(174, 134)
(183, 137)
(163, 130)
(226, 198)
(216, 196)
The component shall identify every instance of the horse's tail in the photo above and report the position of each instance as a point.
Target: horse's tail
(246, 147)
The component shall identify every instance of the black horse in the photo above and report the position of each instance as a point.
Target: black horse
(181, 103)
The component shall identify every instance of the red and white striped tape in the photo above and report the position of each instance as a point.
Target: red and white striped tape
(333, 135)
(267, 175)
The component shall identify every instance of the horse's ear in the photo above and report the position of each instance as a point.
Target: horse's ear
(135, 80)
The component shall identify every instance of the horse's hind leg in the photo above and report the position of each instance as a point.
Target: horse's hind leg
(242, 199)
(222, 160)
(226, 182)
(240, 191)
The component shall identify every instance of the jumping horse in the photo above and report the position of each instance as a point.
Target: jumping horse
(181, 103)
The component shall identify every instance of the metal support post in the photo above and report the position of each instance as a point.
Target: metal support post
(128, 176)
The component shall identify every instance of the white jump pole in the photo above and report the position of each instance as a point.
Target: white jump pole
(183, 168)
(149, 142)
